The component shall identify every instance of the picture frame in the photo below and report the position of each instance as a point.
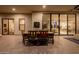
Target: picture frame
(36, 24)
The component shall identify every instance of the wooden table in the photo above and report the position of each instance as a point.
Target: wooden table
(38, 36)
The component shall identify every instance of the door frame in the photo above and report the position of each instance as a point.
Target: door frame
(67, 22)
(59, 22)
(8, 25)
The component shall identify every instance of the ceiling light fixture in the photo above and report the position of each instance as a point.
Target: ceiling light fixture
(44, 6)
(13, 9)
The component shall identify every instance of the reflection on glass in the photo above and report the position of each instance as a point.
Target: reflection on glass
(11, 26)
(5, 26)
(71, 24)
(54, 23)
(46, 22)
(21, 24)
(63, 24)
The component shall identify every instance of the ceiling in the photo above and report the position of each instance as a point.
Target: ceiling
(31, 8)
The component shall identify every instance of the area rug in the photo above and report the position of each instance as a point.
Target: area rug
(72, 39)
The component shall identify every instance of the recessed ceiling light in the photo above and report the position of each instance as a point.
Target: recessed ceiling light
(13, 9)
(44, 6)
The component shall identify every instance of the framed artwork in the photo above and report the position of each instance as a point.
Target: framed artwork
(21, 24)
(36, 24)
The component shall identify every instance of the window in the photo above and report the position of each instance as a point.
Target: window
(22, 24)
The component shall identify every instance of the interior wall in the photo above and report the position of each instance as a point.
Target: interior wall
(28, 21)
(37, 17)
(77, 23)
(0, 25)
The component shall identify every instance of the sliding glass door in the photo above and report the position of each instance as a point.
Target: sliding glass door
(71, 24)
(55, 24)
(60, 24)
(46, 22)
(63, 23)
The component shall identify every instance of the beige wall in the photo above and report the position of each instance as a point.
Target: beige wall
(77, 23)
(37, 17)
(28, 21)
(0, 26)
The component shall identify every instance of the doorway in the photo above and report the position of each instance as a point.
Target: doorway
(63, 24)
(55, 24)
(7, 26)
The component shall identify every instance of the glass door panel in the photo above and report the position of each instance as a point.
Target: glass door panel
(46, 22)
(71, 24)
(63, 24)
(55, 23)
(5, 26)
(21, 24)
(11, 26)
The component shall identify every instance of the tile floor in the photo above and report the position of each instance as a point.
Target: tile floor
(13, 44)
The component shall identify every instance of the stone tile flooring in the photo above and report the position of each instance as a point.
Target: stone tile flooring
(12, 44)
